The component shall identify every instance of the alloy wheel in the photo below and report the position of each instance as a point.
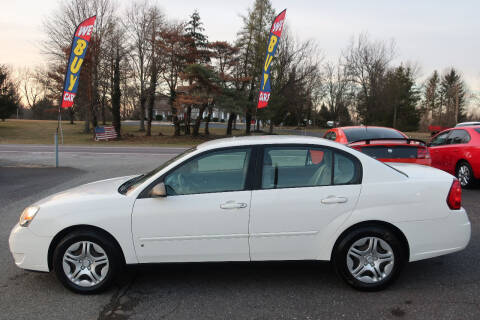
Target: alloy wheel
(370, 259)
(85, 263)
(463, 175)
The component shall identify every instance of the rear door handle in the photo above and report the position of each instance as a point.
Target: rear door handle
(333, 199)
(233, 205)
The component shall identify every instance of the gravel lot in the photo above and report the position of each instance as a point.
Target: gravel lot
(442, 288)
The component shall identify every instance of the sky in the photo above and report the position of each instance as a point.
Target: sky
(432, 34)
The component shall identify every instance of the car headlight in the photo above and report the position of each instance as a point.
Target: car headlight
(27, 215)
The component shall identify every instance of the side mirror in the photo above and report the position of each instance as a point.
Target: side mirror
(158, 191)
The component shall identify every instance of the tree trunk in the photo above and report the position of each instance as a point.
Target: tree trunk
(71, 114)
(248, 120)
(231, 119)
(188, 114)
(151, 101)
(270, 130)
(209, 117)
(104, 122)
(198, 121)
(116, 96)
(86, 128)
(143, 100)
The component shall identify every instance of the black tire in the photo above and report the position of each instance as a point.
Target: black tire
(112, 252)
(462, 168)
(339, 256)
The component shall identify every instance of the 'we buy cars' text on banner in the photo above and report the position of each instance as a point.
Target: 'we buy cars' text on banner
(275, 34)
(80, 41)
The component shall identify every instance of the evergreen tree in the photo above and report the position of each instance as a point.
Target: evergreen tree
(9, 98)
(195, 30)
(453, 90)
(402, 97)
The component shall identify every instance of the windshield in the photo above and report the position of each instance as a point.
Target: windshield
(133, 183)
(363, 133)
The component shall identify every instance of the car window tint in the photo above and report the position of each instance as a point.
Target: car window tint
(331, 135)
(290, 167)
(440, 140)
(458, 137)
(218, 171)
(362, 133)
(345, 171)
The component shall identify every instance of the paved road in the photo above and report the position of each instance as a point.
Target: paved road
(35, 148)
(442, 288)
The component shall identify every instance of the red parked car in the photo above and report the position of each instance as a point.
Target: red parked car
(457, 151)
(384, 144)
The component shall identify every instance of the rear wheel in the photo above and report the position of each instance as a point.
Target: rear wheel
(369, 258)
(86, 262)
(464, 174)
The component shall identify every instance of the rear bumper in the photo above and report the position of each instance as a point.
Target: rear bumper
(29, 250)
(432, 238)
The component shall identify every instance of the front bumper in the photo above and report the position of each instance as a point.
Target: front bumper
(29, 250)
(432, 238)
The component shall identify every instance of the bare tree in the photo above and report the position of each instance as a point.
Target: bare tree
(60, 27)
(138, 25)
(172, 60)
(366, 62)
(338, 95)
(155, 25)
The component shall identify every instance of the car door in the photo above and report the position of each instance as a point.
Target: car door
(453, 150)
(304, 193)
(204, 216)
(438, 150)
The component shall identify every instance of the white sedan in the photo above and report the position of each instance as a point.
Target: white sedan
(248, 199)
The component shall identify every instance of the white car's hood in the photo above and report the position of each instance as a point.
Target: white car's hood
(98, 189)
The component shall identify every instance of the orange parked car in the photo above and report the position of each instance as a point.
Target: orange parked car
(384, 144)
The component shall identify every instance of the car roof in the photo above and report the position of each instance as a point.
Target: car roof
(272, 139)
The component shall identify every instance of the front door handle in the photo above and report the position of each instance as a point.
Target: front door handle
(333, 199)
(233, 205)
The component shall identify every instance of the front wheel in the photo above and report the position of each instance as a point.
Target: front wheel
(86, 262)
(369, 258)
(464, 174)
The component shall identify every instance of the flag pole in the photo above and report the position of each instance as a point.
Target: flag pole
(84, 29)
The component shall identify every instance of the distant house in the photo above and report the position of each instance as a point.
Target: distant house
(162, 108)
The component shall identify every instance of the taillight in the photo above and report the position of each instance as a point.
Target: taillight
(454, 199)
(422, 153)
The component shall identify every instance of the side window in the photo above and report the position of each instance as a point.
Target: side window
(458, 137)
(440, 140)
(292, 167)
(219, 171)
(346, 170)
(331, 135)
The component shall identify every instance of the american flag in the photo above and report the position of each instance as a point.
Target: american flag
(105, 133)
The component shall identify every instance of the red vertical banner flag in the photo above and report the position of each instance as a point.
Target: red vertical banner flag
(273, 40)
(81, 38)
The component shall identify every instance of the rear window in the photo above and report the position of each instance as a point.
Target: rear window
(478, 130)
(354, 134)
(391, 152)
